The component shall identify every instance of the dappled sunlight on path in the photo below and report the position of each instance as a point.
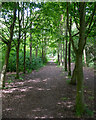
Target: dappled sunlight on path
(42, 94)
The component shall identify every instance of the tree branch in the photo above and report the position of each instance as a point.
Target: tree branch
(75, 18)
(3, 40)
(91, 16)
(75, 34)
(69, 29)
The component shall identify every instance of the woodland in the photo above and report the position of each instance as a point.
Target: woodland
(47, 45)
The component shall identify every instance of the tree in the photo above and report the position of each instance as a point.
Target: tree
(18, 44)
(79, 53)
(3, 74)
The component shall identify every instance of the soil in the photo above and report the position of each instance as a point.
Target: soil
(45, 93)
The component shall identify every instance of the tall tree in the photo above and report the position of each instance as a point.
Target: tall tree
(30, 35)
(78, 71)
(25, 31)
(18, 44)
(3, 74)
(70, 36)
(66, 50)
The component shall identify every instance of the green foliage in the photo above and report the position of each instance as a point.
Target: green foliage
(37, 62)
(44, 59)
(91, 97)
(64, 98)
(68, 81)
(89, 112)
(9, 81)
(20, 78)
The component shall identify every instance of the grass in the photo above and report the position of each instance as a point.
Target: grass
(64, 98)
(9, 81)
(69, 76)
(20, 78)
(91, 97)
(68, 81)
(5, 88)
(89, 112)
(10, 75)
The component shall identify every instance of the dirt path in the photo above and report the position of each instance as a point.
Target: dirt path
(44, 94)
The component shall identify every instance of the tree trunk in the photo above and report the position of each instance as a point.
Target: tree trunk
(36, 51)
(79, 65)
(31, 52)
(18, 46)
(25, 52)
(17, 62)
(58, 57)
(69, 58)
(73, 78)
(30, 37)
(66, 52)
(80, 79)
(3, 73)
(85, 58)
(63, 52)
(59, 53)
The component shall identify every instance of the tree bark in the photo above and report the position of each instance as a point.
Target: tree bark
(69, 58)
(63, 52)
(24, 52)
(30, 37)
(66, 52)
(70, 37)
(17, 61)
(30, 52)
(73, 78)
(3, 73)
(58, 56)
(79, 65)
(59, 53)
(80, 79)
(85, 58)
(36, 51)
(18, 46)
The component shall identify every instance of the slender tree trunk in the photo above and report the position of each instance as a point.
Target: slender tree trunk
(85, 58)
(66, 52)
(80, 79)
(30, 37)
(24, 52)
(25, 27)
(79, 65)
(61, 54)
(58, 57)
(36, 51)
(18, 46)
(70, 37)
(69, 58)
(31, 52)
(45, 50)
(42, 50)
(17, 62)
(73, 78)
(63, 51)
(61, 28)
(42, 53)
(3, 73)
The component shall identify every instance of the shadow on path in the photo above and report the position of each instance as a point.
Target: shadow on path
(42, 94)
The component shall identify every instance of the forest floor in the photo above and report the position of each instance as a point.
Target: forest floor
(45, 94)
